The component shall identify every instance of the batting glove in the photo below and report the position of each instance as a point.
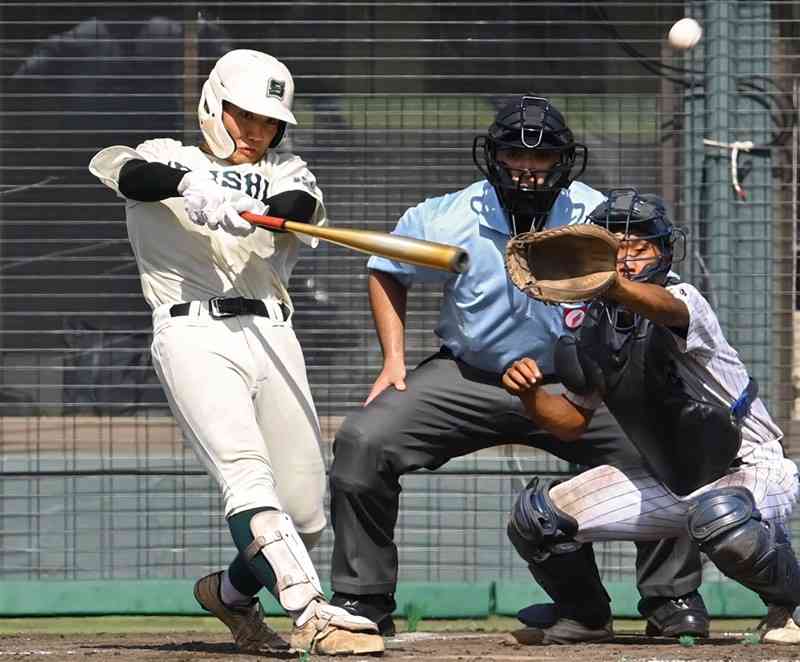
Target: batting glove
(207, 203)
(229, 219)
(202, 195)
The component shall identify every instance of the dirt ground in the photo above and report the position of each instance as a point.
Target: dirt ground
(430, 646)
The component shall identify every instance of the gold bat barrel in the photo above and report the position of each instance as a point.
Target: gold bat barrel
(404, 249)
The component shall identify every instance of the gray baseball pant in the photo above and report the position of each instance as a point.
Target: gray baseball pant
(451, 409)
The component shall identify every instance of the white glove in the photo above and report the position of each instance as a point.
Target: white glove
(227, 216)
(202, 195)
(208, 203)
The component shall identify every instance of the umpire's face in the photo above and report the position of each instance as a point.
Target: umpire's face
(528, 168)
(252, 133)
(634, 255)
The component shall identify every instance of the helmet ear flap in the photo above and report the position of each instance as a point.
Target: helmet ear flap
(278, 135)
(209, 113)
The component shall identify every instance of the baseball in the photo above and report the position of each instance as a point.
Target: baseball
(685, 34)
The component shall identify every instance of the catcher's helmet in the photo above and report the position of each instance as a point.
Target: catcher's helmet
(253, 81)
(529, 123)
(628, 214)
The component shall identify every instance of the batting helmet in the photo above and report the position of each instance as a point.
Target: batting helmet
(253, 81)
(628, 214)
(529, 123)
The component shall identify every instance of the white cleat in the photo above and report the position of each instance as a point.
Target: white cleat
(327, 630)
(779, 627)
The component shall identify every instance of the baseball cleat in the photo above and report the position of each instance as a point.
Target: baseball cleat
(675, 617)
(538, 615)
(564, 631)
(246, 624)
(377, 608)
(328, 630)
(779, 627)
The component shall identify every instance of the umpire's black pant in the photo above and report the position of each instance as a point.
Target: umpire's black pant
(451, 409)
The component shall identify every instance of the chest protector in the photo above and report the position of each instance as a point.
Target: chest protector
(686, 437)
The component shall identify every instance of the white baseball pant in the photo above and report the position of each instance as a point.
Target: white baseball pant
(238, 389)
(631, 504)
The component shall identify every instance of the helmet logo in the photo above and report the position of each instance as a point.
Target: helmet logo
(276, 88)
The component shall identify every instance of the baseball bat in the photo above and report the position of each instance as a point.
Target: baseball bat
(404, 249)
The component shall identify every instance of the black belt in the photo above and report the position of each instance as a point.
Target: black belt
(219, 308)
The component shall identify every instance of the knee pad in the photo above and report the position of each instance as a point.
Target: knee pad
(716, 513)
(537, 527)
(728, 528)
(275, 537)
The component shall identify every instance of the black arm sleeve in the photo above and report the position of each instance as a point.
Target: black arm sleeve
(148, 182)
(292, 205)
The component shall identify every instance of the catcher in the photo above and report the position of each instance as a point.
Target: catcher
(651, 349)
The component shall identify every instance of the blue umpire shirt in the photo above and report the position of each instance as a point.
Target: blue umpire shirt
(484, 319)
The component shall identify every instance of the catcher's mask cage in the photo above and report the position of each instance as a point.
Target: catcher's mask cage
(529, 123)
(253, 81)
(631, 216)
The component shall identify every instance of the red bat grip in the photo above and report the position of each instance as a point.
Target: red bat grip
(271, 222)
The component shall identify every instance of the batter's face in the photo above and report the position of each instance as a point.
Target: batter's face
(528, 168)
(634, 255)
(252, 133)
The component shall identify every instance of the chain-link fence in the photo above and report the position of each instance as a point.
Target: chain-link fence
(95, 482)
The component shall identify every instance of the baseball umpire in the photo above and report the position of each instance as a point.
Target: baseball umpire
(651, 349)
(453, 403)
(223, 344)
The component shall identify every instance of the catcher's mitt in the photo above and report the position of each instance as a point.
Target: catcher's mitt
(564, 265)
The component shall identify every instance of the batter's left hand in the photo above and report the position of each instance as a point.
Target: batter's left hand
(523, 375)
(229, 219)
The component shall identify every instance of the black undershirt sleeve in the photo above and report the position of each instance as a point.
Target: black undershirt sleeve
(149, 181)
(293, 205)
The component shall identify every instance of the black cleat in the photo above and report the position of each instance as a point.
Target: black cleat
(378, 608)
(541, 615)
(564, 631)
(675, 617)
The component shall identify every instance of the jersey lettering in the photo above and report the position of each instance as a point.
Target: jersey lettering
(252, 184)
(231, 179)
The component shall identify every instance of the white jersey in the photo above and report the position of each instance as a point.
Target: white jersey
(181, 261)
(709, 356)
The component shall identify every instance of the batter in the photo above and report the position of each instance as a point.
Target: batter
(223, 344)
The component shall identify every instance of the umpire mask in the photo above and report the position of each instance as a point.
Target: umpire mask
(530, 125)
(632, 216)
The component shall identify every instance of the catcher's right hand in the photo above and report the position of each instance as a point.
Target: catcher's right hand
(564, 265)
(522, 376)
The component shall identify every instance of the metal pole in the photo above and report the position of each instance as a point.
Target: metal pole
(191, 92)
